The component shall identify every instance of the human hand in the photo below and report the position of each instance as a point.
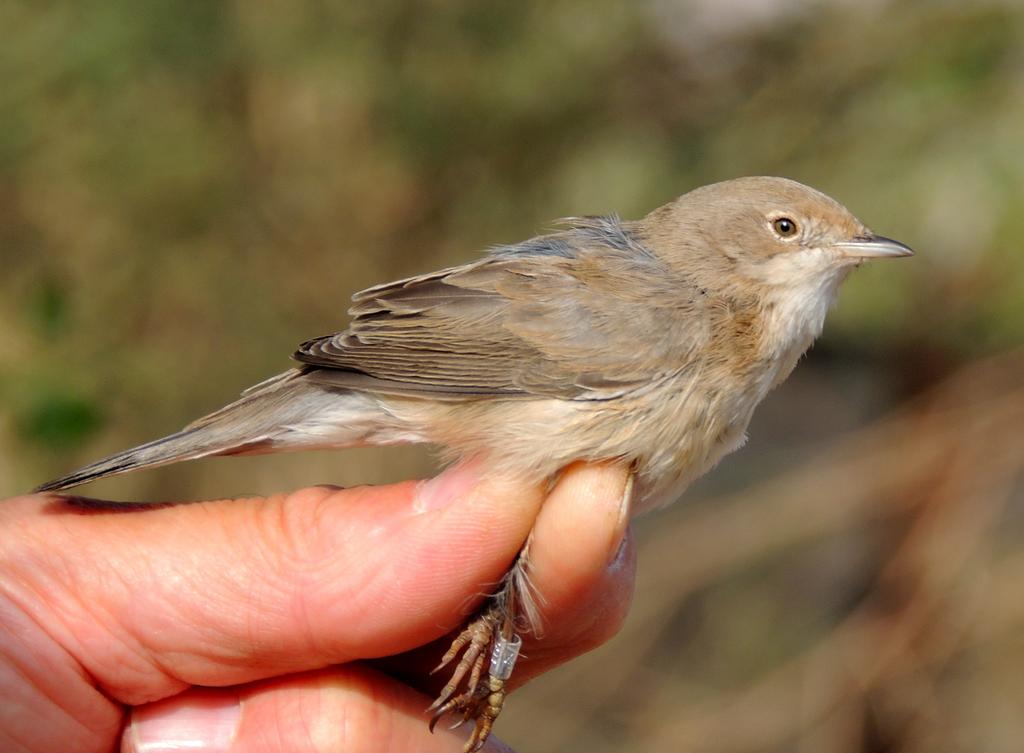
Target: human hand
(245, 625)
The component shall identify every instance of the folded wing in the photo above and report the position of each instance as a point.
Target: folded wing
(588, 321)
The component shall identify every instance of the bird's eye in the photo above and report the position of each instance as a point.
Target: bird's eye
(785, 227)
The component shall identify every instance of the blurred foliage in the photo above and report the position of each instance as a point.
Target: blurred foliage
(188, 190)
(236, 170)
(55, 419)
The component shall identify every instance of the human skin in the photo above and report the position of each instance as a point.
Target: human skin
(257, 624)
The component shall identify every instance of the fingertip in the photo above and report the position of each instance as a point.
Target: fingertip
(582, 563)
(448, 486)
(584, 519)
(199, 719)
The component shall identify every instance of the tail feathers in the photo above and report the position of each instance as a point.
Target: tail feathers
(188, 444)
(283, 413)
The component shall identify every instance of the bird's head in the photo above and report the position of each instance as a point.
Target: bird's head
(770, 231)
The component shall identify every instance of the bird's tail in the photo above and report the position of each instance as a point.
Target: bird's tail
(258, 421)
(187, 444)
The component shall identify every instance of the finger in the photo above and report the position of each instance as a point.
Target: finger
(351, 708)
(222, 593)
(581, 566)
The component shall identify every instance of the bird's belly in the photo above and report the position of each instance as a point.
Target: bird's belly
(664, 480)
(700, 431)
(674, 434)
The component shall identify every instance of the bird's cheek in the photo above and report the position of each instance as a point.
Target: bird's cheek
(785, 269)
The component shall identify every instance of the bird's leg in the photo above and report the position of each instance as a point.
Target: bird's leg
(489, 645)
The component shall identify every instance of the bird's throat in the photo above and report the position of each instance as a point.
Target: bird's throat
(793, 317)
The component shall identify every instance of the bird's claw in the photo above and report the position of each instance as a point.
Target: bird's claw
(485, 691)
(482, 704)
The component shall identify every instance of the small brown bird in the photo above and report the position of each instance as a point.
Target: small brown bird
(650, 342)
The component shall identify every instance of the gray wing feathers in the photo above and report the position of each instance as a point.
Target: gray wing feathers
(514, 324)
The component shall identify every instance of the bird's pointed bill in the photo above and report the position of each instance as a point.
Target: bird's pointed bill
(874, 247)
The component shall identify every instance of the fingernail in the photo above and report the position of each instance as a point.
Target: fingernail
(442, 490)
(625, 515)
(203, 722)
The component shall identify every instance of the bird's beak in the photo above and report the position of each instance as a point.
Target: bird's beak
(873, 247)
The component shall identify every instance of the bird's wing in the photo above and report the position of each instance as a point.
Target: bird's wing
(592, 325)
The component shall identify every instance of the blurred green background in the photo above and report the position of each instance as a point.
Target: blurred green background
(188, 190)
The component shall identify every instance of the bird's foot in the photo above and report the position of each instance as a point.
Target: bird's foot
(490, 640)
